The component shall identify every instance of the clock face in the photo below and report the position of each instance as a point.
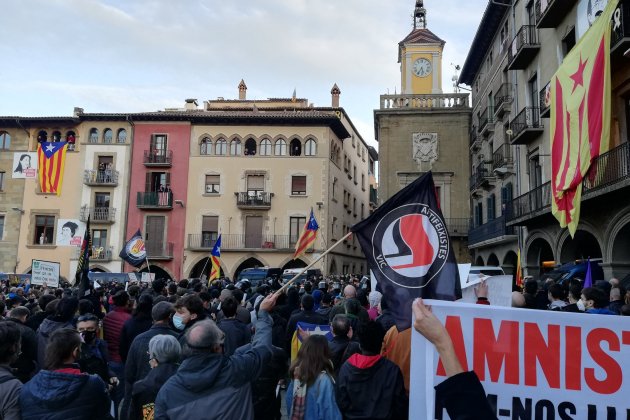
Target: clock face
(422, 67)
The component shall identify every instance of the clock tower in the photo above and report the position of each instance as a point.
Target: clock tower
(420, 57)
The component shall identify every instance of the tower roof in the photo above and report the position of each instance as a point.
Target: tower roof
(422, 36)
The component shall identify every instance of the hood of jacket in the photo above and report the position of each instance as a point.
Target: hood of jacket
(48, 326)
(364, 366)
(55, 390)
(201, 371)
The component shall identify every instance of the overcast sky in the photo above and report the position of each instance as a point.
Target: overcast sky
(145, 55)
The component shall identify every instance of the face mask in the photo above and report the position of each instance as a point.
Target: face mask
(178, 322)
(88, 336)
(580, 305)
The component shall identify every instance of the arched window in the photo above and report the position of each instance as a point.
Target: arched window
(221, 147)
(205, 147)
(310, 148)
(108, 136)
(235, 147)
(42, 136)
(250, 147)
(296, 148)
(281, 148)
(93, 135)
(56, 136)
(5, 140)
(121, 137)
(71, 139)
(265, 147)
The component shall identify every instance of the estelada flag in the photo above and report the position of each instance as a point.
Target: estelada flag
(215, 254)
(580, 117)
(309, 234)
(51, 158)
(311, 329)
(134, 251)
(519, 270)
(407, 247)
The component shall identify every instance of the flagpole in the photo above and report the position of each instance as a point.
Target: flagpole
(287, 284)
(146, 258)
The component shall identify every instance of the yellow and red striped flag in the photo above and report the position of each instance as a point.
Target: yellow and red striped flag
(519, 270)
(52, 158)
(309, 234)
(580, 117)
(215, 254)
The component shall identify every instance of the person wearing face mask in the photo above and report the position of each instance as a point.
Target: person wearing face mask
(188, 310)
(93, 355)
(595, 301)
(575, 304)
(61, 390)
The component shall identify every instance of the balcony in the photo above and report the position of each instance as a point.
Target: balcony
(550, 13)
(107, 178)
(159, 250)
(492, 232)
(503, 100)
(253, 200)
(105, 215)
(545, 101)
(526, 126)
(486, 121)
(158, 157)
(429, 101)
(98, 254)
(620, 35)
(482, 177)
(475, 142)
(457, 226)
(609, 172)
(502, 158)
(155, 200)
(523, 48)
(267, 242)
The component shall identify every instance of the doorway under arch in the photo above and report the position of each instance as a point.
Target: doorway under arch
(160, 273)
(479, 261)
(493, 260)
(621, 245)
(294, 264)
(582, 246)
(539, 250)
(509, 263)
(198, 269)
(251, 262)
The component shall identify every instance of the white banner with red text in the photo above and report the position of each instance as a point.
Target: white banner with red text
(532, 364)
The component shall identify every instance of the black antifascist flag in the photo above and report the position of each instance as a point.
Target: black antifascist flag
(408, 249)
(83, 267)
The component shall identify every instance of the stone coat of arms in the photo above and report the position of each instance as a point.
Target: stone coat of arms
(425, 147)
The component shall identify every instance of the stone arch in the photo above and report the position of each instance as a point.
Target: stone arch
(250, 147)
(251, 261)
(493, 259)
(584, 244)
(479, 261)
(509, 262)
(291, 263)
(159, 270)
(612, 234)
(310, 146)
(537, 249)
(100, 268)
(197, 268)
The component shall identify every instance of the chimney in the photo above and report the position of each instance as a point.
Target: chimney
(191, 104)
(335, 92)
(242, 90)
(77, 111)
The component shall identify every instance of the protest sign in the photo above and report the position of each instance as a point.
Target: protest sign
(499, 291)
(45, 272)
(147, 277)
(464, 269)
(532, 364)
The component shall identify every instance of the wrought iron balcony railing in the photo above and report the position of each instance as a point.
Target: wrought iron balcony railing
(493, 229)
(253, 199)
(244, 241)
(523, 48)
(482, 174)
(503, 99)
(155, 200)
(159, 250)
(526, 126)
(158, 157)
(98, 214)
(502, 157)
(104, 178)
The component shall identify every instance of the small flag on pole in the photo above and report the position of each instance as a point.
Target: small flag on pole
(309, 234)
(134, 251)
(407, 247)
(215, 270)
(51, 158)
(588, 279)
(83, 267)
(519, 270)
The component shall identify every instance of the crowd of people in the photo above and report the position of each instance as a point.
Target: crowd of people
(189, 349)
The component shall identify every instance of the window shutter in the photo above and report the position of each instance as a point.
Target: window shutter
(147, 182)
(210, 224)
(212, 179)
(168, 178)
(299, 183)
(255, 182)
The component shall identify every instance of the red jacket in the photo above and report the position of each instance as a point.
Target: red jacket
(112, 328)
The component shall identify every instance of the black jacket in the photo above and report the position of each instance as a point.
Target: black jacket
(310, 317)
(341, 348)
(371, 388)
(464, 398)
(131, 329)
(237, 334)
(26, 364)
(144, 391)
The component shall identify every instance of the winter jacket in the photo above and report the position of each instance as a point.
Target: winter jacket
(112, 329)
(310, 317)
(26, 364)
(266, 403)
(371, 387)
(397, 348)
(463, 397)
(341, 348)
(386, 319)
(145, 390)
(320, 400)
(600, 311)
(557, 305)
(44, 332)
(9, 394)
(215, 386)
(237, 334)
(93, 360)
(131, 329)
(65, 394)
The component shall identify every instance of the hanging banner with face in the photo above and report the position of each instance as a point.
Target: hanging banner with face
(24, 165)
(532, 364)
(587, 12)
(70, 232)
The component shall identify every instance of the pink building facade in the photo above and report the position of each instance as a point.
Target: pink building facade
(157, 193)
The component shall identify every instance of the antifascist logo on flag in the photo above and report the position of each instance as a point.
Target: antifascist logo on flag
(134, 251)
(51, 158)
(408, 249)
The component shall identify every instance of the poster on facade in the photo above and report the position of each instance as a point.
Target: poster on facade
(532, 364)
(45, 272)
(25, 165)
(587, 12)
(70, 232)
